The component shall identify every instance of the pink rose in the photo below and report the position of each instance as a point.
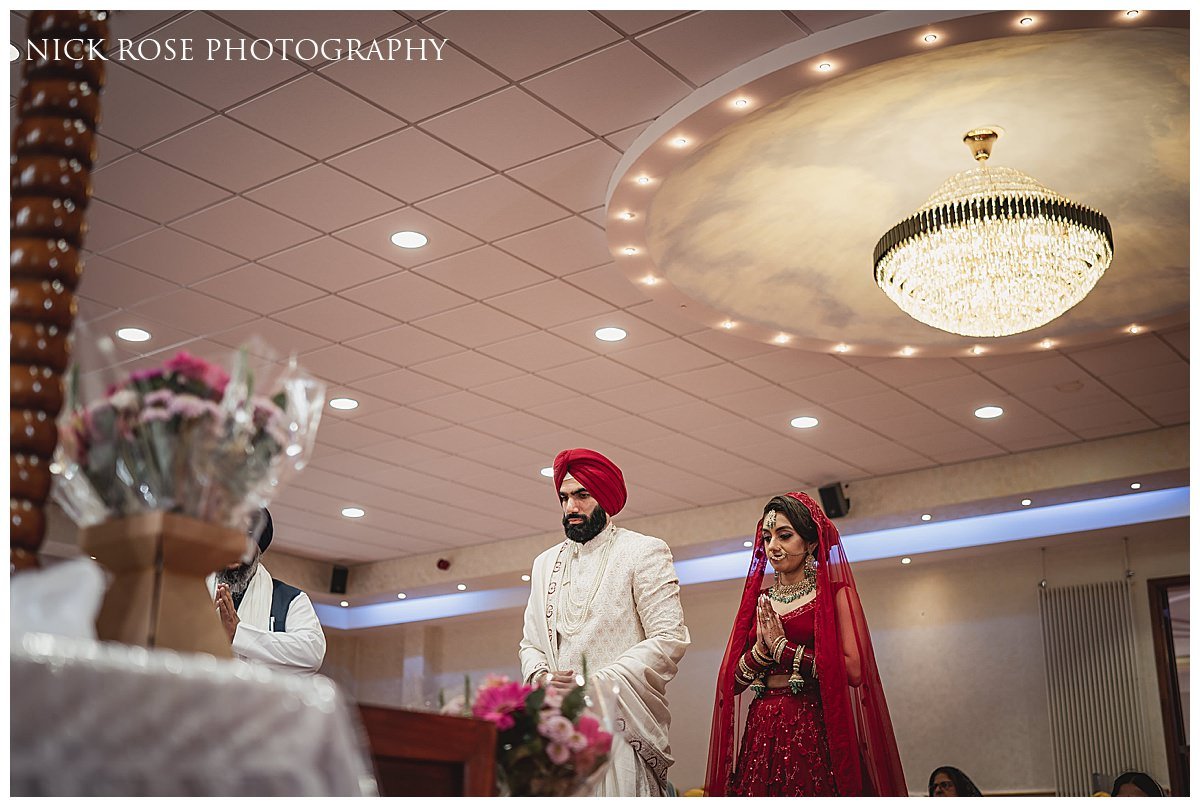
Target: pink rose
(556, 728)
(558, 753)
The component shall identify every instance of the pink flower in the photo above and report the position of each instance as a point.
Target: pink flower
(554, 699)
(197, 369)
(577, 742)
(558, 753)
(556, 728)
(497, 703)
(598, 740)
(160, 397)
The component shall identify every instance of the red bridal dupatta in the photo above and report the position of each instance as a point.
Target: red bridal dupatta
(862, 746)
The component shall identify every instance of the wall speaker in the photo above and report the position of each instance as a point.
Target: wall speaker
(337, 583)
(834, 501)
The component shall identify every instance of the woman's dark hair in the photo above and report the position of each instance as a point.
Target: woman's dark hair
(1142, 781)
(796, 513)
(962, 783)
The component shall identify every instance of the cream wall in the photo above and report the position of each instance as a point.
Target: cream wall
(957, 636)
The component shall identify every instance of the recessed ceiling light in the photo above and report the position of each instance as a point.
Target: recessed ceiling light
(344, 403)
(825, 67)
(630, 250)
(930, 38)
(1046, 344)
(1134, 329)
(804, 422)
(353, 512)
(93, 557)
(988, 412)
(525, 578)
(679, 142)
(547, 472)
(841, 348)
(625, 215)
(977, 351)
(462, 586)
(1026, 502)
(906, 561)
(907, 351)
(133, 335)
(1132, 13)
(610, 334)
(409, 239)
(728, 324)
(650, 280)
(747, 544)
(402, 596)
(1136, 486)
(643, 180)
(741, 102)
(782, 339)
(926, 517)
(344, 604)
(1026, 21)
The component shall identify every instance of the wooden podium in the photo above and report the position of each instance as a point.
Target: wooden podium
(423, 754)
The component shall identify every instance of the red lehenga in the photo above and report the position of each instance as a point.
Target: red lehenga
(831, 738)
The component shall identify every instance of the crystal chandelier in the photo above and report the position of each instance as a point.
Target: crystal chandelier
(993, 252)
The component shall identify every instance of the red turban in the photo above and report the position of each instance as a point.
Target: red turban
(595, 472)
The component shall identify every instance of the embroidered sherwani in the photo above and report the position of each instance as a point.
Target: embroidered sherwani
(615, 599)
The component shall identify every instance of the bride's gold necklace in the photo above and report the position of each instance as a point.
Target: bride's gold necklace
(790, 592)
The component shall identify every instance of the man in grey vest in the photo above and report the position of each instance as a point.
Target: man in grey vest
(267, 620)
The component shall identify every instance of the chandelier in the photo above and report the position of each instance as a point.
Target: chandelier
(993, 252)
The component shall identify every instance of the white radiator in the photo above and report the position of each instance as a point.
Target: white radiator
(1096, 721)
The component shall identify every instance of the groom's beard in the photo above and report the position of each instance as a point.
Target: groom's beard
(589, 528)
(238, 579)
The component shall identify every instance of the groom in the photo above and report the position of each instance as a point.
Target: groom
(611, 595)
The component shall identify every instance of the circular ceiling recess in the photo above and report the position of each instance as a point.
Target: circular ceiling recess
(764, 226)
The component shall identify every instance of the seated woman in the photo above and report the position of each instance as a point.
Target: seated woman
(819, 724)
(1136, 783)
(948, 781)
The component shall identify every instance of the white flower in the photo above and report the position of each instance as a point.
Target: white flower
(125, 400)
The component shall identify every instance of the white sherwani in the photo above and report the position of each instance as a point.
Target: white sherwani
(615, 599)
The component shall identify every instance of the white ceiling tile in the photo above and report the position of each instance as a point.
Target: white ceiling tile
(638, 332)
(194, 312)
(690, 416)
(467, 369)
(347, 435)
(549, 304)
(727, 345)
(632, 22)
(1135, 351)
(506, 129)
(106, 150)
(404, 345)
(228, 154)
(1149, 380)
(608, 283)
(595, 376)
(461, 407)
(820, 20)
(901, 372)
(410, 165)
(218, 74)
(456, 439)
(520, 43)
(190, 260)
(493, 208)
(404, 422)
(580, 409)
(316, 116)
(138, 111)
(1168, 408)
(329, 264)
(153, 189)
(108, 226)
(404, 386)
(414, 90)
(119, 286)
(734, 435)
(960, 394)
(334, 318)
(515, 457)
(869, 408)
(1178, 338)
(562, 247)
(1037, 372)
(596, 216)
(709, 44)
(258, 288)
(474, 325)
(91, 311)
(276, 338)
(614, 88)
(525, 391)
(1071, 393)
(919, 424)
(247, 229)
(788, 365)
(667, 317)
(662, 358)
(483, 272)
(886, 458)
(762, 401)
(375, 237)
(1117, 414)
(514, 426)
(407, 297)
(576, 178)
(323, 198)
(536, 351)
(342, 365)
(624, 138)
(400, 452)
(720, 379)
(353, 465)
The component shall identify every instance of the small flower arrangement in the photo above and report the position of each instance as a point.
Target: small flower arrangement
(185, 437)
(547, 743)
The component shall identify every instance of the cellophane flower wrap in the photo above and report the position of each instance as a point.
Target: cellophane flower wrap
(547, 744)
(186, 437)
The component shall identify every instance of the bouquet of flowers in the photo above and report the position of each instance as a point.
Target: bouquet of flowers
(185, 437)
(547, 744)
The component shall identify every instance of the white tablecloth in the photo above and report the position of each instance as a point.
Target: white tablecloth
(101, 719)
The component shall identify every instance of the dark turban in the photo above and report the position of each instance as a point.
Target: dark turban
(595, 472)
(268, 530)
